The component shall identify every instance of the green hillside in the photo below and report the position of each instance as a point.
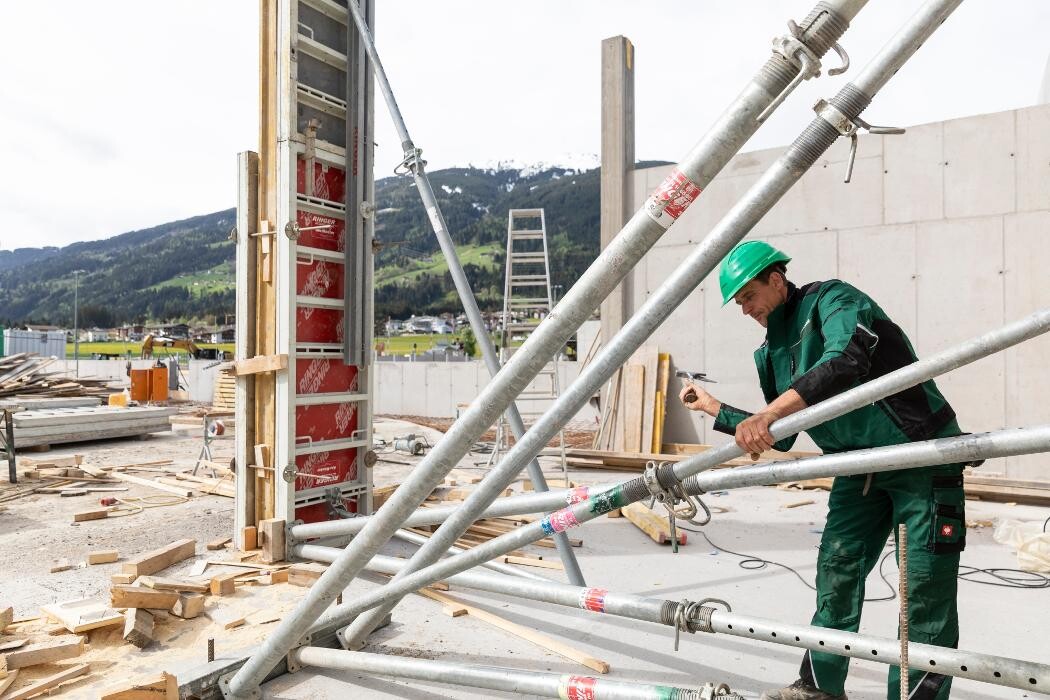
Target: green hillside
(184, 271)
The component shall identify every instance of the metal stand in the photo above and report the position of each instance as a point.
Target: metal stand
(7, 444)
(214, 428)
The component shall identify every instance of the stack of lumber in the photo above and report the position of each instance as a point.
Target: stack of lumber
(635, 404)
(996, 488)
(225, 394)
(25, 374)
(62, 425)
(672, 452)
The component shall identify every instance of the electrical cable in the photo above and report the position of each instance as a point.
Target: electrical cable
(1002, 577)
(133, 505)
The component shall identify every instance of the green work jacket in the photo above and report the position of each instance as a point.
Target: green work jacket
(828, 337)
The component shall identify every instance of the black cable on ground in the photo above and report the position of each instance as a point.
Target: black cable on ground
(1001, 577)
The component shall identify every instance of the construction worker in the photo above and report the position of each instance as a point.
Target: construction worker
(821, 339)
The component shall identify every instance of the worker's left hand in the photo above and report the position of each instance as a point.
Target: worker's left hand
(753, 436)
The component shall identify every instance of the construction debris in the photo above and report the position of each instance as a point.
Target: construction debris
(23, 381)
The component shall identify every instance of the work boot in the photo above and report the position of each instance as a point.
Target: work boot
(800, 690)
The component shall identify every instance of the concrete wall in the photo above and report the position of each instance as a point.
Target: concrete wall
(201, 381)
(945, 226)
(443, 389)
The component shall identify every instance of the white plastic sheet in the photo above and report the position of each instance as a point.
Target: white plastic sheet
(1031, 543)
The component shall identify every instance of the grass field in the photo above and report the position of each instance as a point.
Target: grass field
(218, 279)
(119, 348)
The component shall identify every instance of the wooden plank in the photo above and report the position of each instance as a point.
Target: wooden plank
(526, 633)
(272, 536)
(160, 559)
(173, 584)
(257, 365)
(7, 616)
(227, 619)
(12, 644)
(7, 680)
(45, 684)
(138, 628)
(633, 407)
(163, 687)
(188, 606)
(83, 615)
(649, 357)
(651, 523)
(1008, 494)
(103, 556)
(225, 584)
(176, 490)
(85, 515)
(250, 538)
(142, 597)
(305, 574)
(38, 654)
(122, 579)
(219, 543)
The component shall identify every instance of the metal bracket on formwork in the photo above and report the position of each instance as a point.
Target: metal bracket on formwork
(850, 128)
(367, 209)
(333, 499)
(667, 490)
(413, 159)
(232, 235)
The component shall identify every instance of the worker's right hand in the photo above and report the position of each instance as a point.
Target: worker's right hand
(703, 401)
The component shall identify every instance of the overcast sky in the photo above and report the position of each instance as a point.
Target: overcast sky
(123, 114)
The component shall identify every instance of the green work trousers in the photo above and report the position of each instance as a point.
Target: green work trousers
(930, 502)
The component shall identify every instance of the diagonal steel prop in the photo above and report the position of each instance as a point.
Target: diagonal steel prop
(806, 45)
(598, 504)
(413, 162)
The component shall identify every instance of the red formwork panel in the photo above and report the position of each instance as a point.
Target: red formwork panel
(324, 375)
(317, 325)
(329, 182)
(320, 278)
(332, 238)
(328, 421)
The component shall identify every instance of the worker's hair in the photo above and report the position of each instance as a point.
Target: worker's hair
(779, 266)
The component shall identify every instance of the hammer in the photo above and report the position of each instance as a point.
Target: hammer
(693, 377)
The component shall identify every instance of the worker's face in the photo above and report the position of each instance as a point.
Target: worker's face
(757, 299)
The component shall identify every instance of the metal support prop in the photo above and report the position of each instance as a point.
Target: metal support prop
(595, 505)
(420, 540)
(531, 682)
(708, 616)
(415, 164)
(645, 228)
(9, 444)
(964, 448)
(821, 29)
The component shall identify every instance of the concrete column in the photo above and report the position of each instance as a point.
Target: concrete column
(617, 162)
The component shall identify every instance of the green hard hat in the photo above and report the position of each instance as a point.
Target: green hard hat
(743, 264)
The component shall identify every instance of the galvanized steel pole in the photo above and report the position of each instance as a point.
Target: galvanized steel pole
(597, 504)
(692, 617)
(820, 30)
(549, 685)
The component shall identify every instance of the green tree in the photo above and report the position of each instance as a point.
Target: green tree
(470, 343)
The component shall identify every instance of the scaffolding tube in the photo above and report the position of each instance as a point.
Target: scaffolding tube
(514, 505)
(693, 617)
(961, 449)
(415, 164)
(820, 30)
(803, 153)
(420, 540)
(595, 505)
(510, 680)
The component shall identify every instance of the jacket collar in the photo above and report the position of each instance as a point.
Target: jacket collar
(785, 310)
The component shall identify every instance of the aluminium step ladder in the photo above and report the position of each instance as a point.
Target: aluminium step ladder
(527, 300)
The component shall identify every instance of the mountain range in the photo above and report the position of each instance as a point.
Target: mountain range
(184, 270)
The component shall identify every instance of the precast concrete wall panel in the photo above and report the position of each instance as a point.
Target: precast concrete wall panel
(881, 261)
(439, 387)
(980, 160)
(1033, 159)
(913, 166)
(1027, 374)
(927, 227)
(960, 295)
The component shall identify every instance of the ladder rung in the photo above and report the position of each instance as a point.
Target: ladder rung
(537, 283)
(525, 213)
(526, 235)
